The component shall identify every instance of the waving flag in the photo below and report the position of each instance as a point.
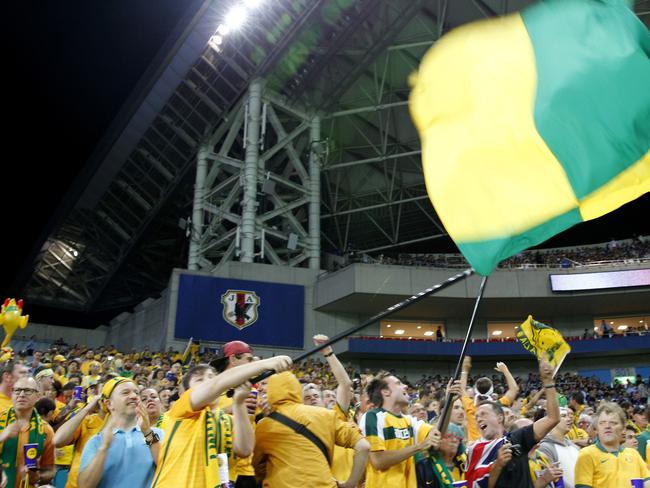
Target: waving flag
(534, 122)
(187, 354)
(543, 341)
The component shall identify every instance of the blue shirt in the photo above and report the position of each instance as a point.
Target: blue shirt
(128, 461)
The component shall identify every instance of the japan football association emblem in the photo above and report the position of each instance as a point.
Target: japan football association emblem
(240, 307)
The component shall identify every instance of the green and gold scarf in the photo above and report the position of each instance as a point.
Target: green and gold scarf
(9, 449)
(218, 439)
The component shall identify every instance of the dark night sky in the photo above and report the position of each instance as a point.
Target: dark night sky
(71, 65)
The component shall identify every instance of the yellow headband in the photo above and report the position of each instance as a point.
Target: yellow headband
(111, 384)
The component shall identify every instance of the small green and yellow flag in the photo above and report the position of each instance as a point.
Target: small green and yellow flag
(187, 354)
(534, 122)
(544, 342)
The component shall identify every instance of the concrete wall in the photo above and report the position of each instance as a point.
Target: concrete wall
(374, 279)
(45, 333)
(145, 326)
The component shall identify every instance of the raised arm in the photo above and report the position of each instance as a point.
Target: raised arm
(544, 425)
(344, 388)
(464, 374)
(243, 435)
(513, 388)
(65, 434)
(207, 392)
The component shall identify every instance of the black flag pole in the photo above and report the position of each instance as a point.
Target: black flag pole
(385, 313)
(446, 412)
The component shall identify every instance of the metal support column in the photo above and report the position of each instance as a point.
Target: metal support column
(249, 207)
(314, 193)
(197, 208)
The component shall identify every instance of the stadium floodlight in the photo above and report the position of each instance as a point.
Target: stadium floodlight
(223, 30)
(428, 333)
(497, 333)
(217, 39)
(399, 332)
(236, 17)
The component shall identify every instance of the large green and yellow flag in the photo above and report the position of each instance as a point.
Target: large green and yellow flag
(543, 341)
(534, 122)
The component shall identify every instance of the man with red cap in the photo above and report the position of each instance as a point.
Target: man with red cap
(235, 353)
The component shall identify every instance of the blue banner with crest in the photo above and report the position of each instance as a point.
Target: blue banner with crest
(224, 309)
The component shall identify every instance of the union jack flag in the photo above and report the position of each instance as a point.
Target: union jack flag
(480, 458)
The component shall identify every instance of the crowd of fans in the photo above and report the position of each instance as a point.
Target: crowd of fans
(633, 249)
(76, 417)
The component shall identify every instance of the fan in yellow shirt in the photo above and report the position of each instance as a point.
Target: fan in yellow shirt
(77, 431)
(607, 464)
(394, 438)
(285, 458)
(236, 353)
(192, 433)
(10, 372)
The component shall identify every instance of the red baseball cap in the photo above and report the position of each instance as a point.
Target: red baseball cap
(229, 349)
(236, 347)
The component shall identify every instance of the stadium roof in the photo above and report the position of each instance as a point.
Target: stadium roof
(118, 232)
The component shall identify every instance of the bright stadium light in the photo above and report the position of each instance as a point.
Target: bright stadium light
(497, 333)
(236, 17)
(428, 333)
(388, 325)
(622, 327)
(399, 332)
(223, 30)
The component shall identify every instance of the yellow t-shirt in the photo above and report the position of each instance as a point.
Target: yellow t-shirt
(386, 431)
(62, 455)
(598, 468)
(183, 451)
(90, 425)
(85, 366)
(5, 402)
(576, 415)
(238, 466)
(342, 457)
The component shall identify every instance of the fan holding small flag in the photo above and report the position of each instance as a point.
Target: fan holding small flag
(544, 342)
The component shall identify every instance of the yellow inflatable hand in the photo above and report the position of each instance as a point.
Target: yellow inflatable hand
(11, 319)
